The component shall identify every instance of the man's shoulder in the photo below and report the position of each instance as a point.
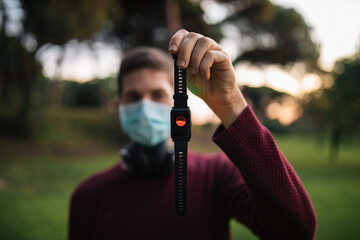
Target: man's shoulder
(99, 181)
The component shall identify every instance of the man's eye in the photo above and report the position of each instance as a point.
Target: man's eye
(158, 96)
(132, 98)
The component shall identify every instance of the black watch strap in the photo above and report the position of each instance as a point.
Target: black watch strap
(180, 90)
(181, 148)
(180, 141)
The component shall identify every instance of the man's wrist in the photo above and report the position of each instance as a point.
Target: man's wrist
(228, 113)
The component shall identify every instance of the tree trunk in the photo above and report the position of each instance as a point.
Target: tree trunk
(3, 20)
(57, 83)
(335, 144)
(173, 16)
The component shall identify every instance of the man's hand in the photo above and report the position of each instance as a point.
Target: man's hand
(211, 74)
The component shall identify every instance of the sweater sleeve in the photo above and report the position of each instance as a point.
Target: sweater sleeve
(276, 205)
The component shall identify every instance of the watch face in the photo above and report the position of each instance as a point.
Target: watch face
(180, 124)
(180, 121)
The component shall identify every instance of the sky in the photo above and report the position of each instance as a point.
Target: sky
(336, 25)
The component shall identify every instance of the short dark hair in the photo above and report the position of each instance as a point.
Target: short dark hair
(144, 57)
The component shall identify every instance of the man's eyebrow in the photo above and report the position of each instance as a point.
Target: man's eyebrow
(158, 90)
(132, 93)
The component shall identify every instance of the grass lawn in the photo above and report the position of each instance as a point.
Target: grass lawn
(35, 189)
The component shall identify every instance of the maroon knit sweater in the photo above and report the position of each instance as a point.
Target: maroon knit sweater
(257, 186)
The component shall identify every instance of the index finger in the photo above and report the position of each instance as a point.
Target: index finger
(176, 40)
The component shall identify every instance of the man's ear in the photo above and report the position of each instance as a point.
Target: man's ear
(115, 103)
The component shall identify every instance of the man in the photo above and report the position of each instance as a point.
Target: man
(251, 180)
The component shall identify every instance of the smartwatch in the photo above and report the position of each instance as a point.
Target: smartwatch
(180, 134)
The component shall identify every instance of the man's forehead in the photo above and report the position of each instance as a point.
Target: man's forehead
(146, 79)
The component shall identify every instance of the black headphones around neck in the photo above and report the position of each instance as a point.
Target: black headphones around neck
(144, 161)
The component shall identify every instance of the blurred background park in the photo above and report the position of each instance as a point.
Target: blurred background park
(297, 63)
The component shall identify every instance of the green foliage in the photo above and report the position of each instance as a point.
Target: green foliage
(22, 87)
(72, 126)
(57, 22)
(148, 25)
(259, 98)
(275, 126)
(344, 96)
(81, 94)
(277, 35)
(336, 110)
(193, 21)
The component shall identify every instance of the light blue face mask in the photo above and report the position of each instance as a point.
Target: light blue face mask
(146, 122)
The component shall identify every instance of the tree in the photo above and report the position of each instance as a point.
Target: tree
(271, 34)
(42, 23)
(20, 74)
(148, 22)
(336, 110)
(135, 22)
(57, 22)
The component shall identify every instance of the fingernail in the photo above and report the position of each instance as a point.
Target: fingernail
(173, 47)
(193, 71)
(181, 63)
